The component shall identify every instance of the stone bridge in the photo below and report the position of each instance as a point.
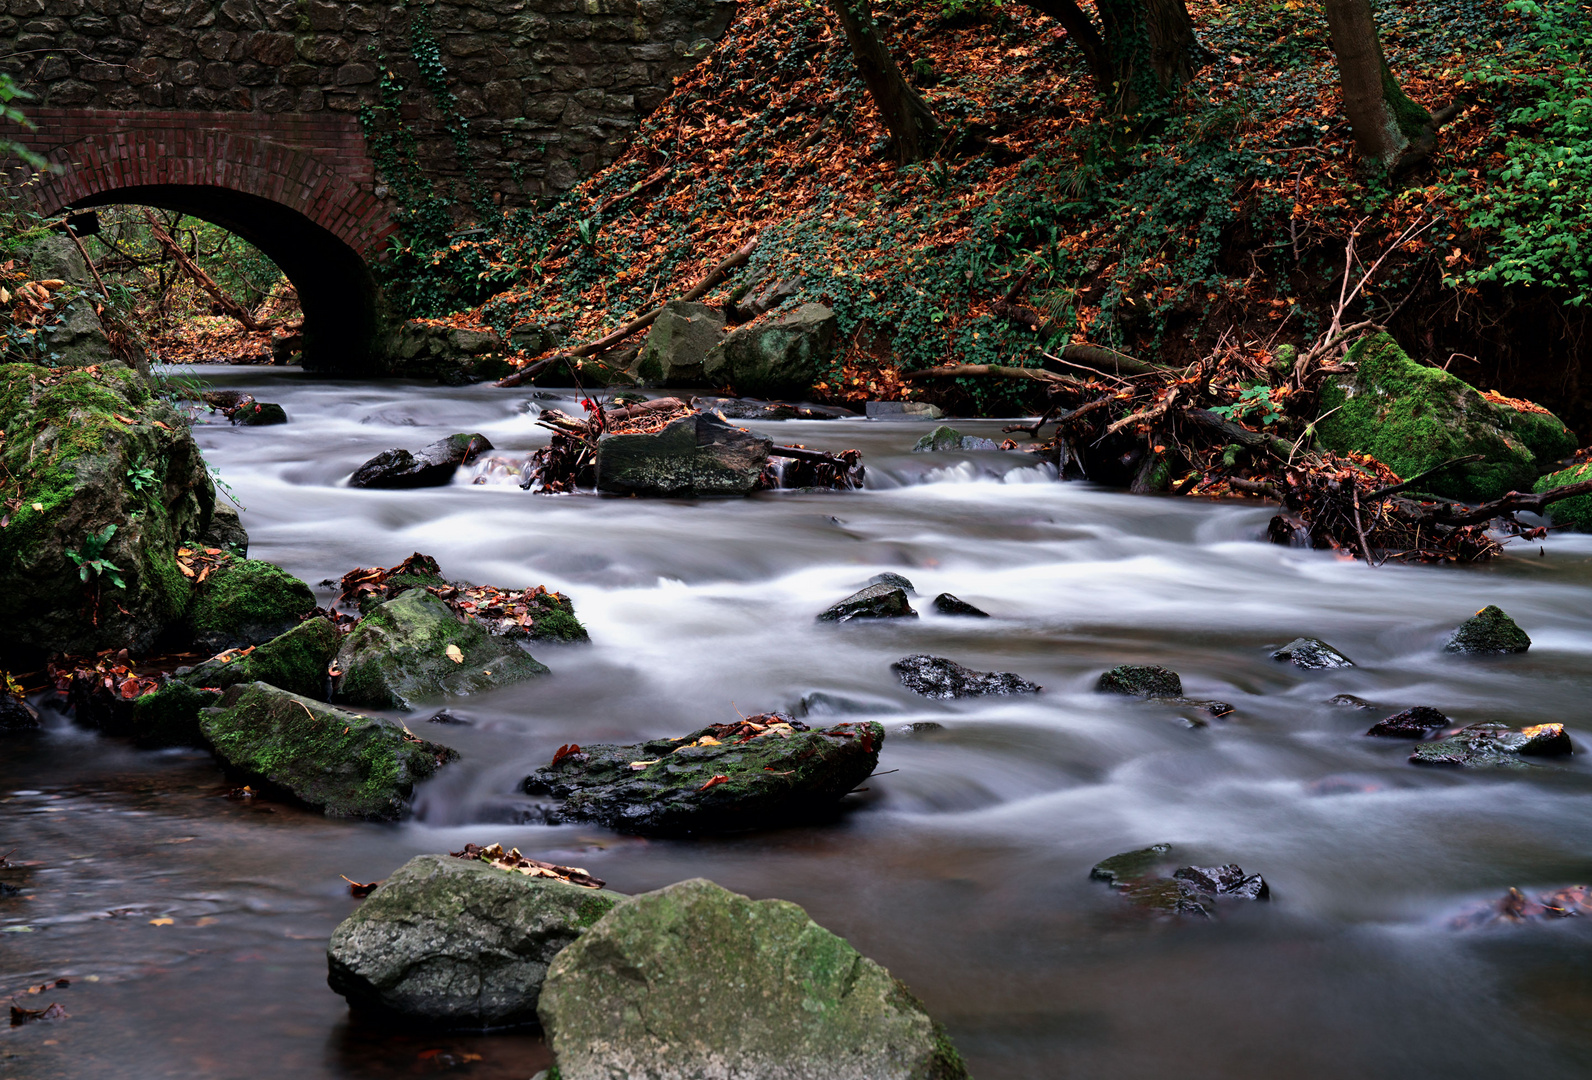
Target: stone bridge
(248, 113)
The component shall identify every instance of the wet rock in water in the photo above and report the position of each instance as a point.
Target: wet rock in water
(433, 466)
(902, 410)
(67, 457)
(295, 661)
(226, 532)
(413, 647)
(1227, 880)
(1516, 907)
(945, 438)
(921, 727)
(1140, 680)
(764, 771)
(758, 409)
(695, 456)
(946, 604)
(458, 942)
(245, 602)
(1494, 746)
(779, 357)
(1414, 723)
(693, 981)
(1312, 654)
(1190, 890)
(443, 716)
(894, 580)
(16, 715)
(170, 716)
(1489, 631)
(535, 614)
(258, 414)
(1348, 701)
(881, 601)
(937, 677)
(344, 763)
(676, 344)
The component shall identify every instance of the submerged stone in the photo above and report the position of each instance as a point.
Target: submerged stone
(433, 466)
(1312, 654)
(695, 456)
(881, 601)
(1413, 723)
(1494, 746)
(695, 981)
(458, 942)
(946, 604)
(1516, 907)
(247, 602)
(1190, 890)
(723, 778)
(1488, 631)
(1348, 701)
(413, 647)
(1129, 866)
(1140, 680)
(344, 763)
(937, 677)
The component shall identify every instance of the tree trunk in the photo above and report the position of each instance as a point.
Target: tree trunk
(1150, 49)
(1083, 34)
(1384, 119)
(914, 132)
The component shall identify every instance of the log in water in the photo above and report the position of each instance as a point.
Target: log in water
(964, 870)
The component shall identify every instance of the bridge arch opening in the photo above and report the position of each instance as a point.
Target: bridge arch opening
(337, 292)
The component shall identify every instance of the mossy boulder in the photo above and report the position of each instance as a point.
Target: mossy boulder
(1412, 418)
(247, 602)
(399, 655)
(694, 456)
(693, 980)
(1490, 630)
(296, 662)
(700, 784)
(458, 942)
(1574, 513)
(75, 441)
(676, 344)
(779, 357)
(1140, 680)
(339, 761)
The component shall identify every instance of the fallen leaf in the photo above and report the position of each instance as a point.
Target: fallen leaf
(212, 551)
(162, 922)
(567, 750)
(454, 654)
(38, 508)
(357, 889)
(183, 553)
(158, 424)
(719, 779)
(123, 419)
(184, 569)
(208, 920)
(639, 765)
(20, 1016)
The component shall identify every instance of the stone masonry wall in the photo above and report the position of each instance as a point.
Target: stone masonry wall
(551, 89)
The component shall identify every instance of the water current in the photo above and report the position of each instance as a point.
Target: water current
(964, 867)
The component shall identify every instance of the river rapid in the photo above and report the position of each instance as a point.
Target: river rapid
(964, 867)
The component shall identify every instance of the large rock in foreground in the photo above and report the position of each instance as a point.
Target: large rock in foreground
(413, 648)
(761, 772)
(433, 466)
(1413, 418)
(776, 358)
(694, 456)
(457, 942)
(72, 442)
(695, 981)
(247, 602)
(338, 761)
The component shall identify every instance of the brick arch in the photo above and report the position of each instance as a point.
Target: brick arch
(301, 189)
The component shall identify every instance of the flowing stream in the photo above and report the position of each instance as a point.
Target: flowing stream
(964, 867)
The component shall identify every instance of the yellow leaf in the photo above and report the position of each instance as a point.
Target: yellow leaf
(454, 654)
(38, 508)
(162, 922)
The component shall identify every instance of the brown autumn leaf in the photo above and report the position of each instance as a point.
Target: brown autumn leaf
(719, 779)
(359, 890)
(53, 1011)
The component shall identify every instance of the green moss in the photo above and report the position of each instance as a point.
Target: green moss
(170, 716)
(1140, 680)
(248, 601)
(296, 662)
(1575, 513)
(1490, 630)
(556, 624)
(1413, 418)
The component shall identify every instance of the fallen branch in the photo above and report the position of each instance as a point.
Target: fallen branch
(801, 453)
(1078, 356)
(1404, 485)
(205, 281)
(1255, 440)
(957, 370)
(1512, 503)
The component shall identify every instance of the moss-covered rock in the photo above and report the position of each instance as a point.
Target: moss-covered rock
(1573, 513)
(1494, 746)
(342, 762)
(1413, 417)
(779, 357)
(458, 943)
(694, 456)
(246, 602)
(1140, 680)
(295, 661)
(83, 450)
(1490, 630)
(678, 340)
(693, 980)
(399, 655)
(170, 716)
(700, 784)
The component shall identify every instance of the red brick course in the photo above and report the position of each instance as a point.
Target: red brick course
(316, 163)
